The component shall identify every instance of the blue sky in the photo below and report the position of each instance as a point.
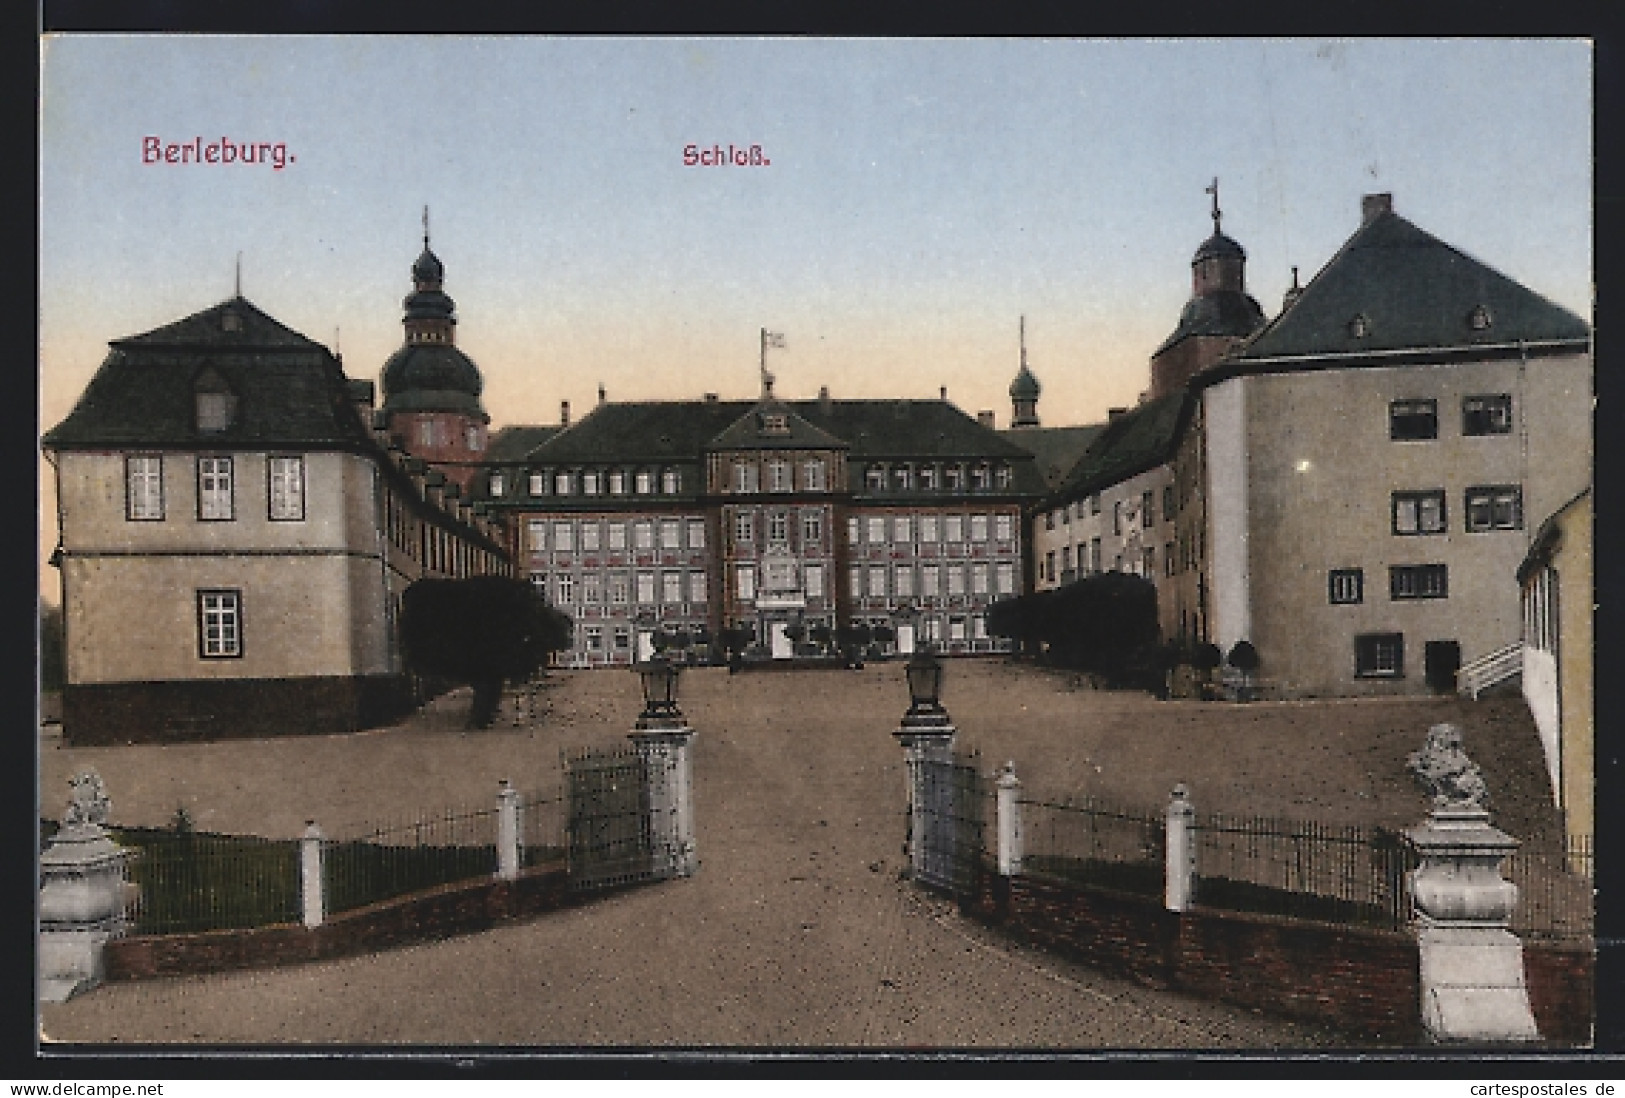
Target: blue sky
(921, 196)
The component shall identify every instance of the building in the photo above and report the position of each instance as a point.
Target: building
(1355, 477)
(1557, 579)
(772, 516)
(234, 538)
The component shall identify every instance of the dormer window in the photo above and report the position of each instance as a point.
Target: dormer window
(231, 321)
(775, 423)
(875, 478)
(538, 484)
(216, 404)
(1479, 319)
(496, 485)
(669, 482)
(1360, 326)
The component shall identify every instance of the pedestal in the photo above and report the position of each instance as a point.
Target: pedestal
(1472, 975)
(923, 739)
(81, 907)
(665, 750)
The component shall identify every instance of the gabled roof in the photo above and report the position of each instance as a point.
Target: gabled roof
(904, 429)
(1135, 441)
(1413, 292)
(288, 390)
(1055, 449)
(647, 431)
(514, 444)
(751, 431)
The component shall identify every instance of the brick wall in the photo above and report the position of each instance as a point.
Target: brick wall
(1366, 982)
(437, 913)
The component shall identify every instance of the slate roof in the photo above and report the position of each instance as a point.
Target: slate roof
(289, 389)
(1135, 441)
(1056, 449)
(1219, 313)
(1415, 292)
(513, 444)
(747, 432)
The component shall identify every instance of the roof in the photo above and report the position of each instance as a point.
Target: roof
(514, 444)
(1217, 313)
(1218, 245)
(904, 429)
(753, 431)
(1057, 449)
(1547, 537)
(432, 377)
(1135, 441)
(1413, 291)
(289, 390)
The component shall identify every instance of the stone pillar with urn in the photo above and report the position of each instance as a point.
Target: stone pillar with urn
(82, 894)
(926, 734)
(1472, 974)
(662, 737)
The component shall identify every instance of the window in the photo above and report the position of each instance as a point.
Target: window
(1494, 507)
(643, 534)
(589, 484)
(1419, 512)
(1066, 515)
(214, 411)
(1148, 561)
(670, 482)
(1051, 519)
(565, 585)
(928, 528)
(220, 624)
(877, 529)
(1487, 415)
(956, 628)
(594, 636)
(779, 477)
(1147, 515)
(426, 432)
(902, 478)
(978, 527)
(1005, 476)
(1066, 559)
(956, 579)
(617, 482)
(538, 485)
(1004, 528)
(852, 530)
(671, 587)
(928, 580)
(952, 477)
(592, 588)
(564, 537)
(619, 588)
(953, 527)
(475, 438)
(928, 478)
(1418, 581)
(874, 478)
(589, 537)
(563, 483)
(745, 578)
(1168, 559)
(978, 578)
(778, 528)
(745, 477)
(617, 535)
(979, 478)
(285, 477)
(671, 534)
(744, 529)
(812, 476)
(1117, 517)
(854, 581)
(1094, 554)
(214, 489)
(538, 580)
(812, 527)
(696, 587)
(646, 587)
(1379, 656)
(144, 488)
(696, 533)
(537, 535)
(812, 578)
(902, 530)
(1005, 577)
(1168, 503)
(496, 485)
(1049, 565)
(775, 423)
(1094, 504)
(644, 482)
(623, 638)
(903, 582)
(877, 581)
(1413, 420)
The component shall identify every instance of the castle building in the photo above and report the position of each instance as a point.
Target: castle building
(234, 538)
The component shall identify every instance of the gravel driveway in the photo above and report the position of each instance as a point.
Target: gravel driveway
(795, 932)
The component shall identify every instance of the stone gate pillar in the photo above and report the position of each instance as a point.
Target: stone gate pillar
(664, 746)
(82, 892)
(1472, 975)
(921, 742)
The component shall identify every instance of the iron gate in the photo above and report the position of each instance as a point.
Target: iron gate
(609, 837)
(952, 810)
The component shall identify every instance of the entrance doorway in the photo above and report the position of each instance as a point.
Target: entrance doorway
(905, 640)
(779, 639)
(1440, 661)
(646, 645)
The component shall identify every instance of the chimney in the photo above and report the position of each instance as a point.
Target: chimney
(1115, 414)
(564, 413)
(1293, 292)
(825, 405)
(601, 394)
(1373, 206)
(942, 393)
(710, 398)
(984, 418)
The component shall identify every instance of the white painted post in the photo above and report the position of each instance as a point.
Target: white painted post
(310, 875)
(1179, 870)
(1010, 844)
(507, 832)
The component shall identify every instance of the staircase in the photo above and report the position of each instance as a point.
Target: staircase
(1490, 670)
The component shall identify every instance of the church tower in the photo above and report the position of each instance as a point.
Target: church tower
(1024, 390)
(431, 389)
(1219, 315)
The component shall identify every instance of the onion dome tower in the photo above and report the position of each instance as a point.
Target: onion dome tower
(432, 389)
(1219, 315)
(1024, 390)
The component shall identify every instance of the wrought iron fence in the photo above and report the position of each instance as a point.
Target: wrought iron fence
(954, 806)
(609, 840)
(1096, 842)
(381, 862)
(544, 820)
(1303, 869)
(186, 882)
(1556, 889)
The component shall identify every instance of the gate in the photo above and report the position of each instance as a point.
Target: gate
(609, 839)
(951, 813)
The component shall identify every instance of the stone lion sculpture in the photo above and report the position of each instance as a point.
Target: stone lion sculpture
(1446, 773)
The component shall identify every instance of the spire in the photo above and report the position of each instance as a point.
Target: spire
(1024, 341)
(425, 227)
(1293, 292)
(237, 287)
(1024, 389)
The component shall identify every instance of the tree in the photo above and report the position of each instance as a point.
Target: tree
(1244, 658)
(485, 630)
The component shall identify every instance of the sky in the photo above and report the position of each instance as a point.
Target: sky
(919, 197)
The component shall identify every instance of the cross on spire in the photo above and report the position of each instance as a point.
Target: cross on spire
(1213, 189)
(425, 226)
